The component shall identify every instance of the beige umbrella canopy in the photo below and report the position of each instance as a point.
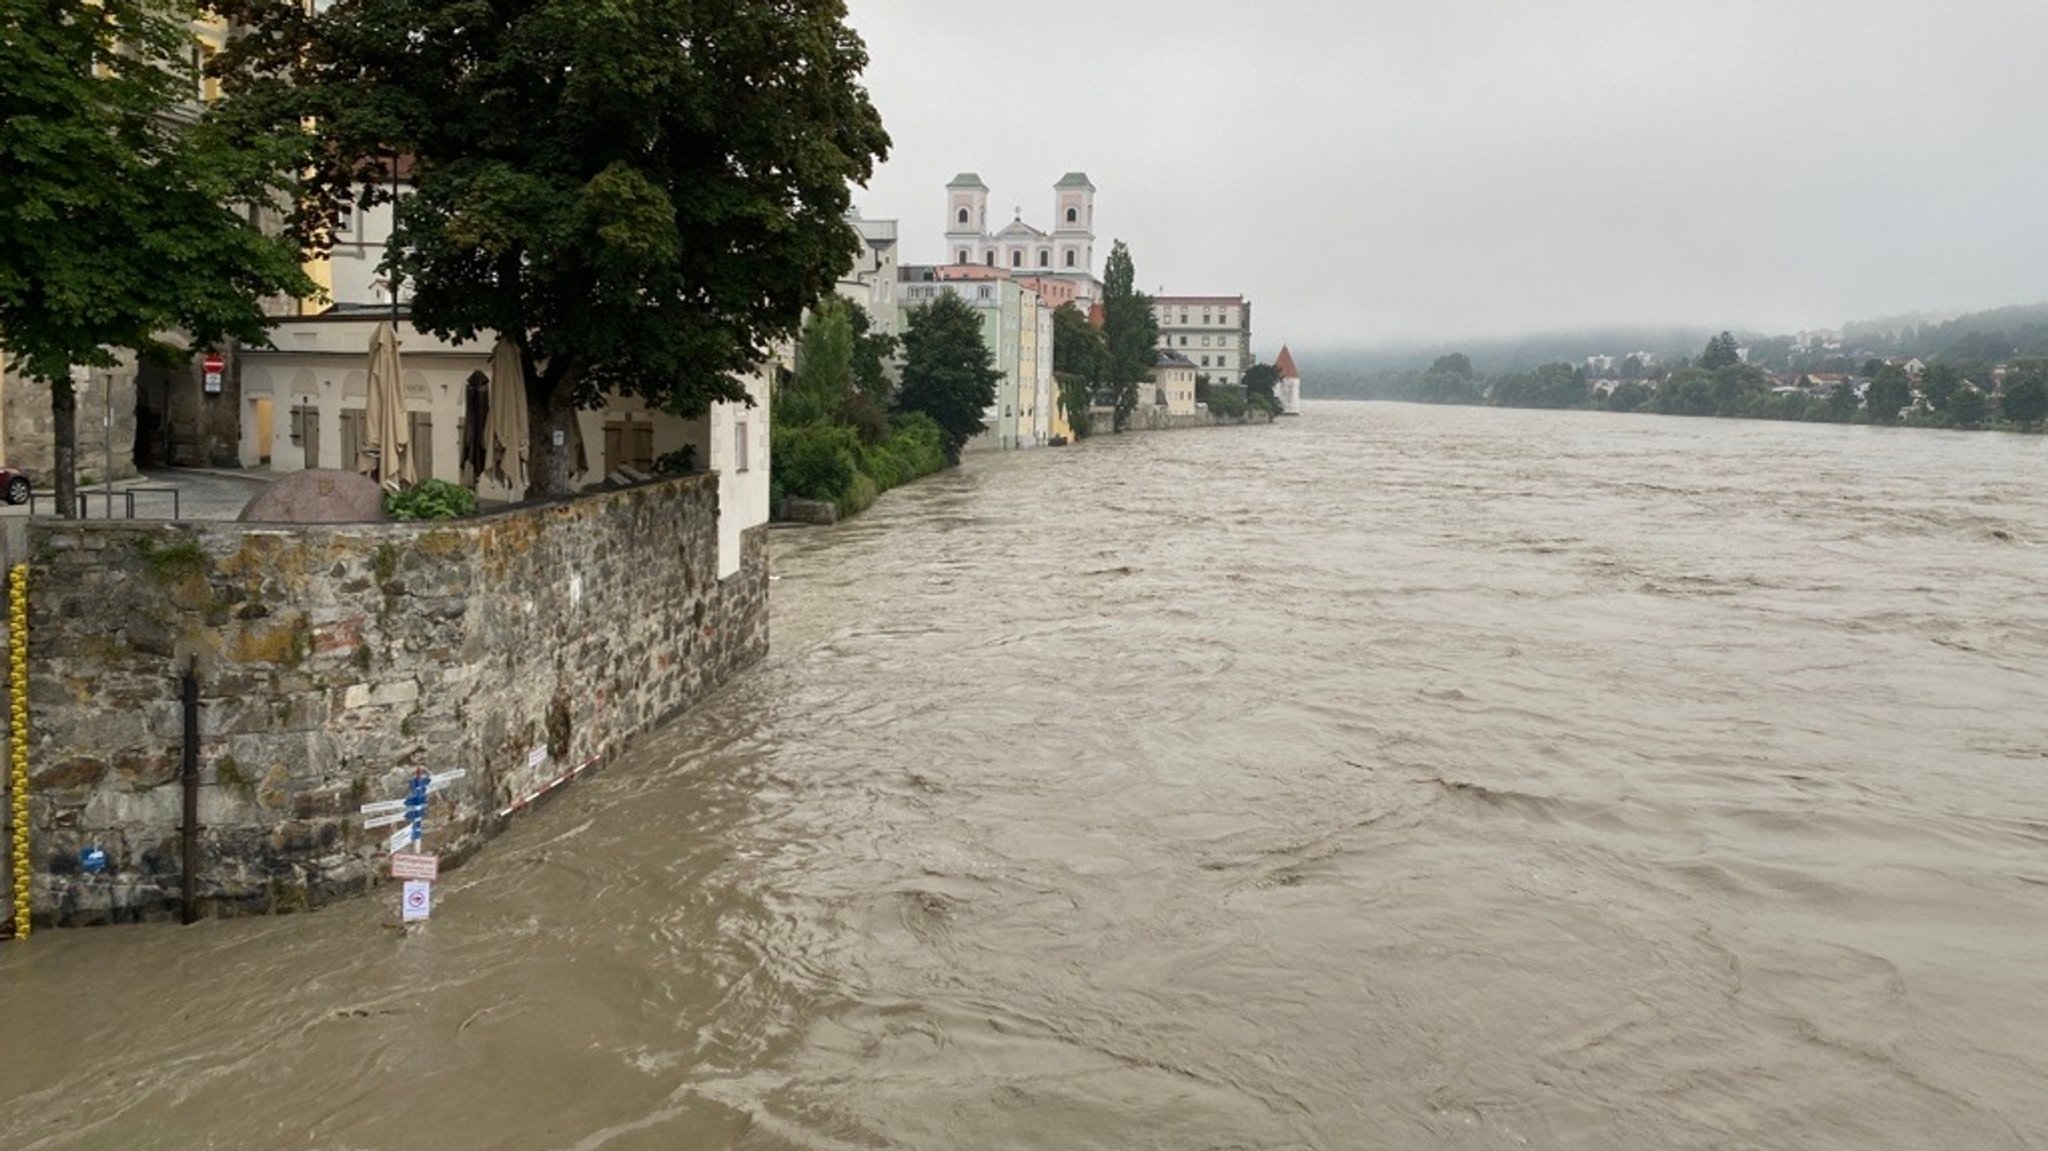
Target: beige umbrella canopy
(386, 452)
(505, 447)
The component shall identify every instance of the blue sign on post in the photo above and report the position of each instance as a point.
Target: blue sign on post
(416, 805)
(93, 860)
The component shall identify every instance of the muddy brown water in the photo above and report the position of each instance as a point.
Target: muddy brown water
(1393, 777)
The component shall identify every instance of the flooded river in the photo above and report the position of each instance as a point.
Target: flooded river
(1394, 777)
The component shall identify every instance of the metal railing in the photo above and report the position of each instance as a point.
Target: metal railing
(107, 500)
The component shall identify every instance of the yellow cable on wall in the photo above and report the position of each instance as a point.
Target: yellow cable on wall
(17, 736)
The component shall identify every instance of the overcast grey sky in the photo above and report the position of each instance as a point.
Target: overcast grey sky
(1377, 171)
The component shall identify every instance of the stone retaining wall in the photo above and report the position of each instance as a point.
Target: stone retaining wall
(333, 661)
(1102, 421)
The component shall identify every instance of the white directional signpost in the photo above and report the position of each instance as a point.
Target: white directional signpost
(417, 868)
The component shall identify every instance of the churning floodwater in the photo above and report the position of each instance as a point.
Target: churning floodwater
(1393, 777)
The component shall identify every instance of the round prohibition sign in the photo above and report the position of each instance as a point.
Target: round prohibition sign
(416, 899)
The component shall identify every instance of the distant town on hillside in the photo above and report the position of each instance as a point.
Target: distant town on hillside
(1970, 340)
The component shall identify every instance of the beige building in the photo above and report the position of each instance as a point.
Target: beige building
(1173, 383)
(1213, 332)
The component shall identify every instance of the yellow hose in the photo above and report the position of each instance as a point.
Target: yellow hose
(17, 741)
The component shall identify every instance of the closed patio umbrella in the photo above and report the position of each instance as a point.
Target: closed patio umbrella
(387, 448)
(505, 447)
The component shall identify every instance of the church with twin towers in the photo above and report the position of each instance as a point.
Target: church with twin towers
(1066, 253)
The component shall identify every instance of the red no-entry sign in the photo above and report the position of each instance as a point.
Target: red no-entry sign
(213, 366)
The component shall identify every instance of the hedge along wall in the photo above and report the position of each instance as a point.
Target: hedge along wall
(335, 659)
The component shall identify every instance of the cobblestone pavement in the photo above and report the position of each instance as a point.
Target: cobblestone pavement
(201, 494)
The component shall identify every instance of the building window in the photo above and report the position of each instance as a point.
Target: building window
(963, 215)
(1205, 341)
(344, 220)
(1016, 257)
(1183, 341)
(1073, 214)
(989, 258)
(960, 257)
(739, 446)
(1044, 258)
(1205, 361)
(984, 292)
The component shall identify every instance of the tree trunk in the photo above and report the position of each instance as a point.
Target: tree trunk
(551, 462)
(64, 422)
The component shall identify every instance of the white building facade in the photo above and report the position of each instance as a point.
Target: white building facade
(1065, 253)
(1213, 332)
(871, 282)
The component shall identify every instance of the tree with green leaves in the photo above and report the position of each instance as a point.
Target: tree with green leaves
(2023, 399)
(1939, 383)
(1843, 402)
(1455, 364)
(1969, 407)
(124, 224)
(1722, 351)
(948, 372)
(872, 351)
(1130, 333)
(1890, 392)
(1260, 381)
(824, 367)
(1077, 355)
(643, 198)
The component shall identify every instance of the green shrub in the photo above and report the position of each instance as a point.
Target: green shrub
(1226, 403)
(430, 500)
(916, 438)
(859, 496)
(815, 461)
(679, 462)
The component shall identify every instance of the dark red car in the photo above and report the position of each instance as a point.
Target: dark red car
(14, 484)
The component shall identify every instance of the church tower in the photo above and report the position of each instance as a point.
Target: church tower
(966, 219)
(1073, 227)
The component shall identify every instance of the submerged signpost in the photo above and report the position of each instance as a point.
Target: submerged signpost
(417, 868)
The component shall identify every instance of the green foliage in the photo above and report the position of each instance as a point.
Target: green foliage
(1078, 354)
(642, 197)
(1889, 393)
(1550, 386)
(919, 442)
(122, 219)
(2024, 398)
(172, 562)
(430, 500)
(1722, 351)
(824, 366)
(1130, 333)
(1260, 380)
(830, 462)
(682, 461)
(1230, 403)
(1627, 396)
(1939, 384)
(872, 351)
(1452, 364)
(948, 373)
(1969, 408)
(814, 461)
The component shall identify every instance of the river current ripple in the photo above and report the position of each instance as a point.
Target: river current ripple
(1393, 777)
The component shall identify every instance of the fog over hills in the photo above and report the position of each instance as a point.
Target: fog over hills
(1997, 333)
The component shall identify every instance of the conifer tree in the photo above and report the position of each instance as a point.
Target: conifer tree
(1130, 333)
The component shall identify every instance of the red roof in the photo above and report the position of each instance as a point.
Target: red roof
(1284, 366)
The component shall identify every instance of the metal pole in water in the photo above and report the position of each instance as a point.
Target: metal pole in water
(189, 833)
